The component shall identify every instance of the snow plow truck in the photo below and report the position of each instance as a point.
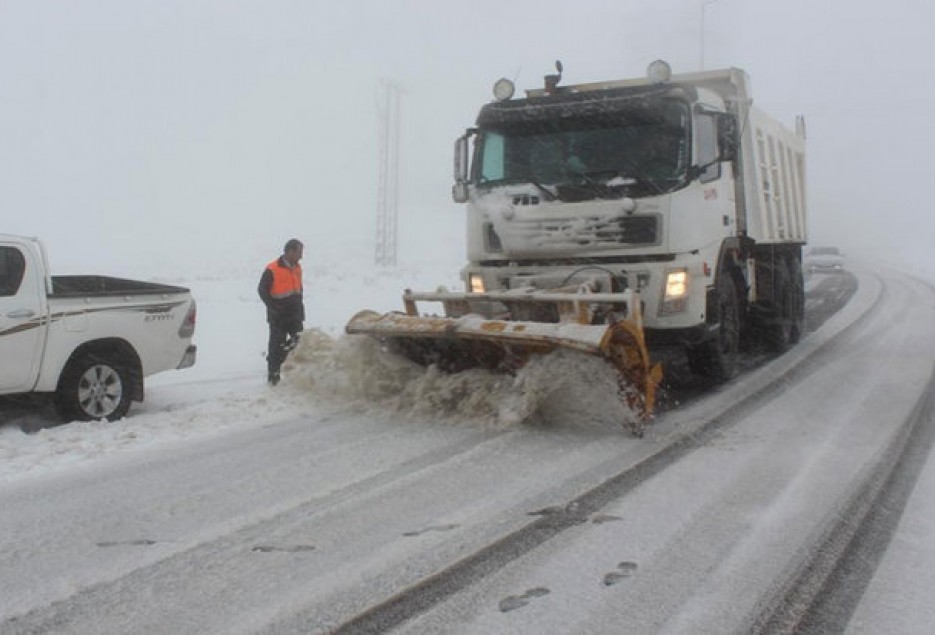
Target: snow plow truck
(620, 218)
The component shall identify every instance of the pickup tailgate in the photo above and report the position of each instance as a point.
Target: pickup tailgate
(158, 321)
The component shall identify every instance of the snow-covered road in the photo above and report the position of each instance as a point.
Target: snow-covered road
(704, 545)
(297, 514)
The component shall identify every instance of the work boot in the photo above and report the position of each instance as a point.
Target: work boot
(273, 379)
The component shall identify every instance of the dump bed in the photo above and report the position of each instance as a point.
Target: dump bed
(773, 162)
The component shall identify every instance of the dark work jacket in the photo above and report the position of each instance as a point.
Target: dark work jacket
(286, 311)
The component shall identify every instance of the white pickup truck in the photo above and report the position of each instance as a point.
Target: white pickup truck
(87, 340)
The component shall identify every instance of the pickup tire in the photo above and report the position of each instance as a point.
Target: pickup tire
(93, 388)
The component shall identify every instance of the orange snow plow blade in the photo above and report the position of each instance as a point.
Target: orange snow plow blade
(500, 331)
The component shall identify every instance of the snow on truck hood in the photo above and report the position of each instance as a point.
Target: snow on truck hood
(526, 223)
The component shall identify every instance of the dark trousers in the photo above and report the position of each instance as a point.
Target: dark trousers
(282, 339)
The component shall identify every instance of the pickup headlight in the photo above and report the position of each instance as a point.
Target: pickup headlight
(676, 291)
(476, 283)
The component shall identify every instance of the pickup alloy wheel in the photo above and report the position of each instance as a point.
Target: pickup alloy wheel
(94, 389)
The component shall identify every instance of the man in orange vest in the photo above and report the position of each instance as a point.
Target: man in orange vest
(280, 289)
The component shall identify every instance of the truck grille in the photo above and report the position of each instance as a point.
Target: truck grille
(597, 232)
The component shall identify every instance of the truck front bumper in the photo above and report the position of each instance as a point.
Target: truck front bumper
(680, 337)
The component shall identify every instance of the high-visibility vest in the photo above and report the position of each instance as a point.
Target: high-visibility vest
(286, 281)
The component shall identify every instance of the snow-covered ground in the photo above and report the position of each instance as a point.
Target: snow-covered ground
(367, 415)
(899, 598)
(226, 388)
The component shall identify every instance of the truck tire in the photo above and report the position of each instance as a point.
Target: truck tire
(798, 306)
(785, 327)
(93, 388)
(717, 357)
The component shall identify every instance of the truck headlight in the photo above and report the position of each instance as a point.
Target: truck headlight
(676, 292)
(476, 282)
(659, 71)
(676, 284)
(503, 89)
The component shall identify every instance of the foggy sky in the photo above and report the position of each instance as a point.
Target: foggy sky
(186, 132)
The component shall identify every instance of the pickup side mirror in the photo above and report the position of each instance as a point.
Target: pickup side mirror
(728, 137)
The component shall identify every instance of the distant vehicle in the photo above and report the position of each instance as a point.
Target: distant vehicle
(824, 260)
(87, 340)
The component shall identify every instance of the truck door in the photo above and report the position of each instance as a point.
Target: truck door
(21, 323)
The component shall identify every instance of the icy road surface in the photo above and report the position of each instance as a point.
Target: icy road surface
(479, 505)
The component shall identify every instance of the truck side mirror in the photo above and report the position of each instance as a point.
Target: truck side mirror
(461, 160)
(459, 192)
(728, 137)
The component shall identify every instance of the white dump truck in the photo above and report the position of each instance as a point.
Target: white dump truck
(88, 341)
(621, 218)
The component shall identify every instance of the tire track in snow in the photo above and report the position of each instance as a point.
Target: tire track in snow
(827, 589)
(217, 552)
(423, 596)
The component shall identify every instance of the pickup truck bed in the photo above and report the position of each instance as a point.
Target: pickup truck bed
(80, 286)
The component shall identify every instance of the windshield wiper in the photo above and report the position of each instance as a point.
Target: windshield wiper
(549, 194)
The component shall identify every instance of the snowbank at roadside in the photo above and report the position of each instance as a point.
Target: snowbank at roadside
(226, 389)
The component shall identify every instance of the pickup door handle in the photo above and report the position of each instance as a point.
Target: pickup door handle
(20, 313)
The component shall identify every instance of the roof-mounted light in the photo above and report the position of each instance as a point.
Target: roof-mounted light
(503, 89)
(659, 72)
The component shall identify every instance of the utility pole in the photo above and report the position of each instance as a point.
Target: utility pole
(704, 5)
(388, 183)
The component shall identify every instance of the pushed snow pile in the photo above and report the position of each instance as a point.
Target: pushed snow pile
(352, 374)
(561, 388)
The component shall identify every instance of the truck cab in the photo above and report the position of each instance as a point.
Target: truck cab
(672, 186)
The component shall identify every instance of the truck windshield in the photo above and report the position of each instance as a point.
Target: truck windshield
(650, 148)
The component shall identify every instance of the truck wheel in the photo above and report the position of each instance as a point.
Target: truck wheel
(717, 358)
(94, 388)
(798, 304)
(783, 330)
